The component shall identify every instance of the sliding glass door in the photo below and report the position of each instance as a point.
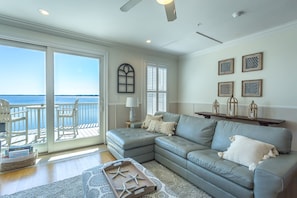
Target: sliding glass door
(77, 96)
(59, 94)
(22, 86)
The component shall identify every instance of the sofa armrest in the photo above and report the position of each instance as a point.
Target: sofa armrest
(276, 175)
(135, 125)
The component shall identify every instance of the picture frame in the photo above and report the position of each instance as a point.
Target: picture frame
(226, 66)
(252, 62)
(252, 88)
(225, 89)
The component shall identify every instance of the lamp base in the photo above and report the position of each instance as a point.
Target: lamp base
(132, 115)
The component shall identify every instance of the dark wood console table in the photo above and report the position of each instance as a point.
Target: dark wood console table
(261, 121)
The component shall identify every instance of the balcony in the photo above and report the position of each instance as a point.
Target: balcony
(88, 118)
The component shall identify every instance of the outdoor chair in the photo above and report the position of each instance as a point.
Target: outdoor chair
(15, 123)
(67, 119)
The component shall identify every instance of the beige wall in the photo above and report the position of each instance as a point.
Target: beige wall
(118, 113)
(198, 78)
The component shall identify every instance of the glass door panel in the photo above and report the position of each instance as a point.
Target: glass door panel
(77, 101)
(22, 83)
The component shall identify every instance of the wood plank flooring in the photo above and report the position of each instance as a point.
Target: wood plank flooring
(54, 167)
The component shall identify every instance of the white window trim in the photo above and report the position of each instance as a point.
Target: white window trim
(150, 63)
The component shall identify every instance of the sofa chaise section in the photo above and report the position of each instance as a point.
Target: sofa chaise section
(135, 143)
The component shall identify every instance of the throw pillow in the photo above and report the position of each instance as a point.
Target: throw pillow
(154, 126)
(162, 127)
(248, 152)
(168, 128)
(148, 119)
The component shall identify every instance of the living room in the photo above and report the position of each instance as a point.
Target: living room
(192, 78)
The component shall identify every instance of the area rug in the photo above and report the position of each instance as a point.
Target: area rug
(72, 187)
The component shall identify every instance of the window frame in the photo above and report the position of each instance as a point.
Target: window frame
(50, 145)
(157, 90)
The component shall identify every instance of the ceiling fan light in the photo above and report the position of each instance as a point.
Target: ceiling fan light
(164, 2)
(43, 12)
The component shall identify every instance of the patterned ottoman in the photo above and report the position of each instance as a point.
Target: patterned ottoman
(96, 185)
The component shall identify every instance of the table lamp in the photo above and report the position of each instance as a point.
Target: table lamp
(131, 102)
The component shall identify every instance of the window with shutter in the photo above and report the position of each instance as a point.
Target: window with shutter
(156, 91)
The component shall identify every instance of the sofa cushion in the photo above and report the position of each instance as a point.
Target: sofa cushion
(128, 138)
(248, 152)
(178, 145)
(169, 117)
(281, 138)
(196, 129)
(131, 152)
(209, 160)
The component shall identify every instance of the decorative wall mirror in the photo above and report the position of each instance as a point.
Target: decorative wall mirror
(126, 78)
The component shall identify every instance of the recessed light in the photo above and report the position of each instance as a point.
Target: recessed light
(148, 41)
(43, 12)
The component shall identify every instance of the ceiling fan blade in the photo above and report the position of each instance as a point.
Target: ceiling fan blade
(170, 11)
(130, 4)
(209, 37)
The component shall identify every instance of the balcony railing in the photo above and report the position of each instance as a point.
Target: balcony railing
(88, 116)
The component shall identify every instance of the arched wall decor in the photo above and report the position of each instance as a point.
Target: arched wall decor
(126, 78)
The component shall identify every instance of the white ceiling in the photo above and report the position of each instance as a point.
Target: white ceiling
(103, 20)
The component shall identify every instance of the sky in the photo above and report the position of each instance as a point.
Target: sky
(22, 71)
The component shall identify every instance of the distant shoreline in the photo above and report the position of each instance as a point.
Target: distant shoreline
(40, 99)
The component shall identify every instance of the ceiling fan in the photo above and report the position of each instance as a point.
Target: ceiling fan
(168, 4)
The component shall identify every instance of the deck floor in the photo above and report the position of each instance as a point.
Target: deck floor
(84, 131)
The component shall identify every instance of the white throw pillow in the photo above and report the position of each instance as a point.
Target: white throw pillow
(248, 152)
(167, 128)
(162, 127)
(148, 120)
(154, 126)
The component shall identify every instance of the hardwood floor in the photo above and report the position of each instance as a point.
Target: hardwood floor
(54, 167)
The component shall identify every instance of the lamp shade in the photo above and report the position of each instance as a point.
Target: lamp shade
(164, 2)
(131, 102)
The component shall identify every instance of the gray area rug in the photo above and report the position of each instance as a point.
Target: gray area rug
(72, 187)
(177, 184)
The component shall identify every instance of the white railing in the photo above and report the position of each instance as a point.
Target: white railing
(88, 116)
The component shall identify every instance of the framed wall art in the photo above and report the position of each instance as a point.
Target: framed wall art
(252, 62)
(225, 89)
(252, 88)
(126, 78)
(226, 66)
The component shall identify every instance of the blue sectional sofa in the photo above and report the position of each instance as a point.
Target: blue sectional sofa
(193, 154)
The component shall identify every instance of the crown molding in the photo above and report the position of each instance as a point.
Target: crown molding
(50, 30)
(38, 27)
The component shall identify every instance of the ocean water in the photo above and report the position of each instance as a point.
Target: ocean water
(40, 99)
